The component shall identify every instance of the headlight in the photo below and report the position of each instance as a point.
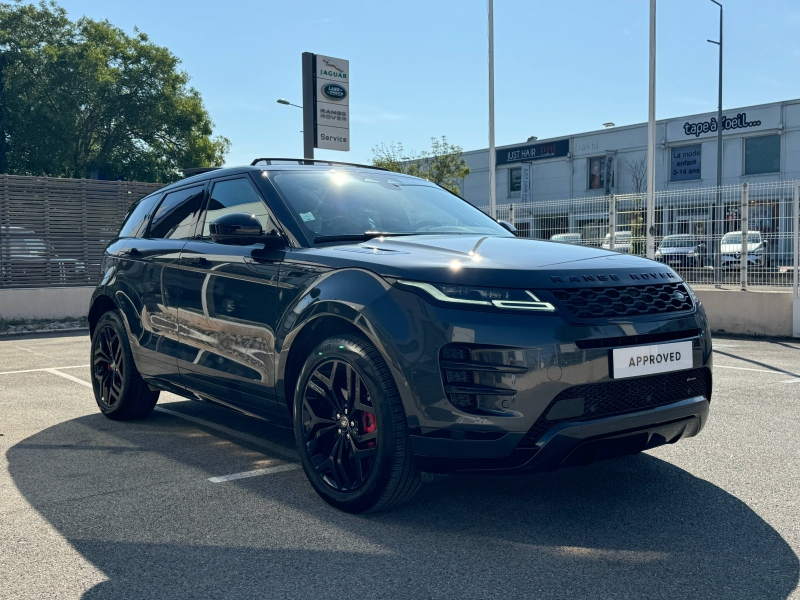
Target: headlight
(692, 254)
(658, 253)
(477, 296)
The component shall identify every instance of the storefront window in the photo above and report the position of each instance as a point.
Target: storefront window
(597, 173)
(514, 180)
(762, 154)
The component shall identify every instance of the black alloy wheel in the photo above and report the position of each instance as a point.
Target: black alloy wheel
(108, 365)
(350, 428)
(339, 425)
(119, 389)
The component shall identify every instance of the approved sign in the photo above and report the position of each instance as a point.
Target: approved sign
(648, 360)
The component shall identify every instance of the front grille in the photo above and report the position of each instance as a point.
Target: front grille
(627, 301)
(620, 397)
(637, 340)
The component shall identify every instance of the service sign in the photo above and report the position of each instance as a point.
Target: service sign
(332, 100)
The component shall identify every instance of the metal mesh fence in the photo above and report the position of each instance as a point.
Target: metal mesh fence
(698, 231)
(53, 231)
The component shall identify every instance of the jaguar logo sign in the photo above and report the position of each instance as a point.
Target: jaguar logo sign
(334, 91)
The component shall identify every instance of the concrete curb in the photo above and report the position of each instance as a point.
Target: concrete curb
(65, 330)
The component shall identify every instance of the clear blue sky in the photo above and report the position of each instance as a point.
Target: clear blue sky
(419, 68)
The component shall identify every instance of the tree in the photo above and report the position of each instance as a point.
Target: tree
(637, 169)
(84, 99)
(443, 164)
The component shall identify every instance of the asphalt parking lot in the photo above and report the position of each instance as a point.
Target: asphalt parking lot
(98, 509)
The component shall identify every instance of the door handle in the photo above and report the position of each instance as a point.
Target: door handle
(130, 252)
(200, 261)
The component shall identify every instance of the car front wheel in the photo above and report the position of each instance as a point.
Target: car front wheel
(119, 389)
(350, 428)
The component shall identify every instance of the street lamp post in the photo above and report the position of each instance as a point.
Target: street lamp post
(650, 245)
(287, 103)
(715, 214)
(492, 156)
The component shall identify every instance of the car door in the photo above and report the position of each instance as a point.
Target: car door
(227, 307)
(146, 290)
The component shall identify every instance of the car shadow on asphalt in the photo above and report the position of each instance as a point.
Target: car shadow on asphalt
(632, 527)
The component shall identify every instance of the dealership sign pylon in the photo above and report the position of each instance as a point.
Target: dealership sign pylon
(326, 103)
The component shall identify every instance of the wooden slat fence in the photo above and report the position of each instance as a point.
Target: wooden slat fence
(53, 231)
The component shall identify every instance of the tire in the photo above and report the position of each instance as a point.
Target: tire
(119, 389)
(361, 460)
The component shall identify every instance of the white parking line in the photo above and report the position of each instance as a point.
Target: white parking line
(70, 377)
(256, 473)
(44, 370)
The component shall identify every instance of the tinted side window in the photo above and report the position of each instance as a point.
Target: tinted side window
(237, 195)
(177, 214)
(138, 214)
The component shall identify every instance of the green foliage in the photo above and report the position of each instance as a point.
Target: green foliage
(443, 164)
(83, 99)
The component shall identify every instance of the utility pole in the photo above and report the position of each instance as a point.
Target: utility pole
(3, 149)
(492, 153)
(309, 103)
(651, 140)
(715, 214)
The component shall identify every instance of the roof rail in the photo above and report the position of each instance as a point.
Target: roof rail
(188, 172)
(305, 161)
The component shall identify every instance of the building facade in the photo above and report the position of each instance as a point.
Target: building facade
(760, 143)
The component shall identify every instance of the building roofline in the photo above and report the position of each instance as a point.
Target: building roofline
(632, 126)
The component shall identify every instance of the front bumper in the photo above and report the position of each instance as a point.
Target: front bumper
(680, 260)
(573, 444)
(733, 261)
(530, 361)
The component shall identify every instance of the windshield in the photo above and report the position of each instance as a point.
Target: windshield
(678, 241)
(27, 247)
(343, 203)
(618, 235)
(736, 238)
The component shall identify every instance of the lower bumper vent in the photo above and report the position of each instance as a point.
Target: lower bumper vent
(619, 397)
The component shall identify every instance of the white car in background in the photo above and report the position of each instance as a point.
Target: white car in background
(622, 241)
(566, 238)
(731, 250)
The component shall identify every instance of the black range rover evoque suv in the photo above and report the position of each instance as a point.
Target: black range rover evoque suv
(394, 326)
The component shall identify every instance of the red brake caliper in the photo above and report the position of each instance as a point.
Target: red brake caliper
(370, 425)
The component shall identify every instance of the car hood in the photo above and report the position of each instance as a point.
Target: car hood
(490, 261)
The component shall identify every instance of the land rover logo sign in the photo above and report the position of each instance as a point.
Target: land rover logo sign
(334, 91)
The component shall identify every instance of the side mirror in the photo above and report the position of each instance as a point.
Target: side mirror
(241, 229)
(508, 226)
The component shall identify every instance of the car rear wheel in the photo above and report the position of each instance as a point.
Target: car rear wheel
(350, 428)
(119, 389)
